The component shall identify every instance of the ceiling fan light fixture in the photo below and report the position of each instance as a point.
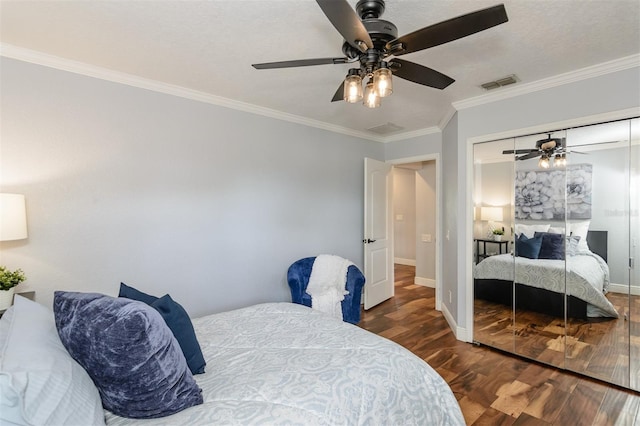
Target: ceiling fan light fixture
(382, 80)
(544, 162)
(371, 98)
(560, 161)
(353, 86)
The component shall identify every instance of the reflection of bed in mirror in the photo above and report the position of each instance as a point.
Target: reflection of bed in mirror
(540, 283)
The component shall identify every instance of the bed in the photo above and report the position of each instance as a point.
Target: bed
(282, 363)
(540, 283)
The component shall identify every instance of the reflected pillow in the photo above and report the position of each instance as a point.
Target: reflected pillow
(572, 245)
(552, 246)
(128, 351)
(556, 230)
(530, 230)
(176, 317)
(528, 247)
(580, 229)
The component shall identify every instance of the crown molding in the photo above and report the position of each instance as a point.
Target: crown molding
(547, 83)
(51, 61)
(451, 111)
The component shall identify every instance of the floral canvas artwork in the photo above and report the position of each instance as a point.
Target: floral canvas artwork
(540, 195)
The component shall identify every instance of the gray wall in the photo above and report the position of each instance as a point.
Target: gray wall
(426, 221)
(404, 205)
(451, 224)
(170, 195)
(414, 198)
(430, 143)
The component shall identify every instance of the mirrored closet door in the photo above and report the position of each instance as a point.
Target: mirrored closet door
(562, 286)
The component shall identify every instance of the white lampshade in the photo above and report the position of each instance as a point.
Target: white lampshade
(13, 217)
(492, 214)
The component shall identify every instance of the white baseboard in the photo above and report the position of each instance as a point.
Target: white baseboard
(460, 332)
(401, 261)
(425, 282)
(624, 289)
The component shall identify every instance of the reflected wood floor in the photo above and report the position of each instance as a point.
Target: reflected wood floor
(597, 346)
(494, 388)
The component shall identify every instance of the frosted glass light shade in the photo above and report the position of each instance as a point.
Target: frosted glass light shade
(544, 162)
(382, 82)
(13, 217)
(492, 214)
(353, 89)
(371, 98)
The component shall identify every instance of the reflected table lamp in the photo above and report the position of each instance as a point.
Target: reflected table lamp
(491, 215)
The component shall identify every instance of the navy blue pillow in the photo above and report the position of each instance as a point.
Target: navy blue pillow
(178, 321)
(528, 247)
(128, 351)
(552, 246)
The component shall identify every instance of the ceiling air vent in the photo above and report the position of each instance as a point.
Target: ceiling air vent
(385, 129)
(500, 82)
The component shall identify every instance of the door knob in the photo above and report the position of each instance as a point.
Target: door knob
(368, 241)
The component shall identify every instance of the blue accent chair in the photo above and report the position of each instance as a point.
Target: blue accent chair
(298, 279)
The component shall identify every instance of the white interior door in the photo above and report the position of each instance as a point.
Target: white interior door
(378, 249)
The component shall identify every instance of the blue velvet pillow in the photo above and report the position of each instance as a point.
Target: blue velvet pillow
(528, 247)
(552, 246)
(128, 351)
(178, 321)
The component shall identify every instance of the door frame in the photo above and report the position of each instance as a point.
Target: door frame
(436, 158)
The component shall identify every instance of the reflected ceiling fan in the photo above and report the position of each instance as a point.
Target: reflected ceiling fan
(550, 150)
(370, 40)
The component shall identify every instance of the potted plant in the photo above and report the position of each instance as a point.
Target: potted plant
(497, 234)
(8, 281)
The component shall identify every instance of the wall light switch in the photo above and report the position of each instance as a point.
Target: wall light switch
(426, 238)
(399, 217)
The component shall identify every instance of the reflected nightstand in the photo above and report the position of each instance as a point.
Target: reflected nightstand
(484, 254)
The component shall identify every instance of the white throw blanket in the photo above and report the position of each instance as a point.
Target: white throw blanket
(327, 284)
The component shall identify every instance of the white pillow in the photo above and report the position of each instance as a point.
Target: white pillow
(556, 230)
(580, 229)
(39, 381)
(530, 230)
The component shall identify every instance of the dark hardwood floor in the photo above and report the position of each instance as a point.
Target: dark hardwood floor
(494, 388)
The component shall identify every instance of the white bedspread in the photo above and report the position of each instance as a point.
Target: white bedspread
(587, 276)
(280, 363)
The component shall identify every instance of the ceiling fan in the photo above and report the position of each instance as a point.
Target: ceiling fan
(550, 150)
(370, 40)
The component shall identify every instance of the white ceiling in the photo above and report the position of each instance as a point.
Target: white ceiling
(209, 46)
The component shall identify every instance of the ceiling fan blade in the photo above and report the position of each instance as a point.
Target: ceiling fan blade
(530, 155)
(419, 74)
(519, 151)
(347, 22)
(449, 30)
(300, 63)
(339, 95)
(596, 143)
